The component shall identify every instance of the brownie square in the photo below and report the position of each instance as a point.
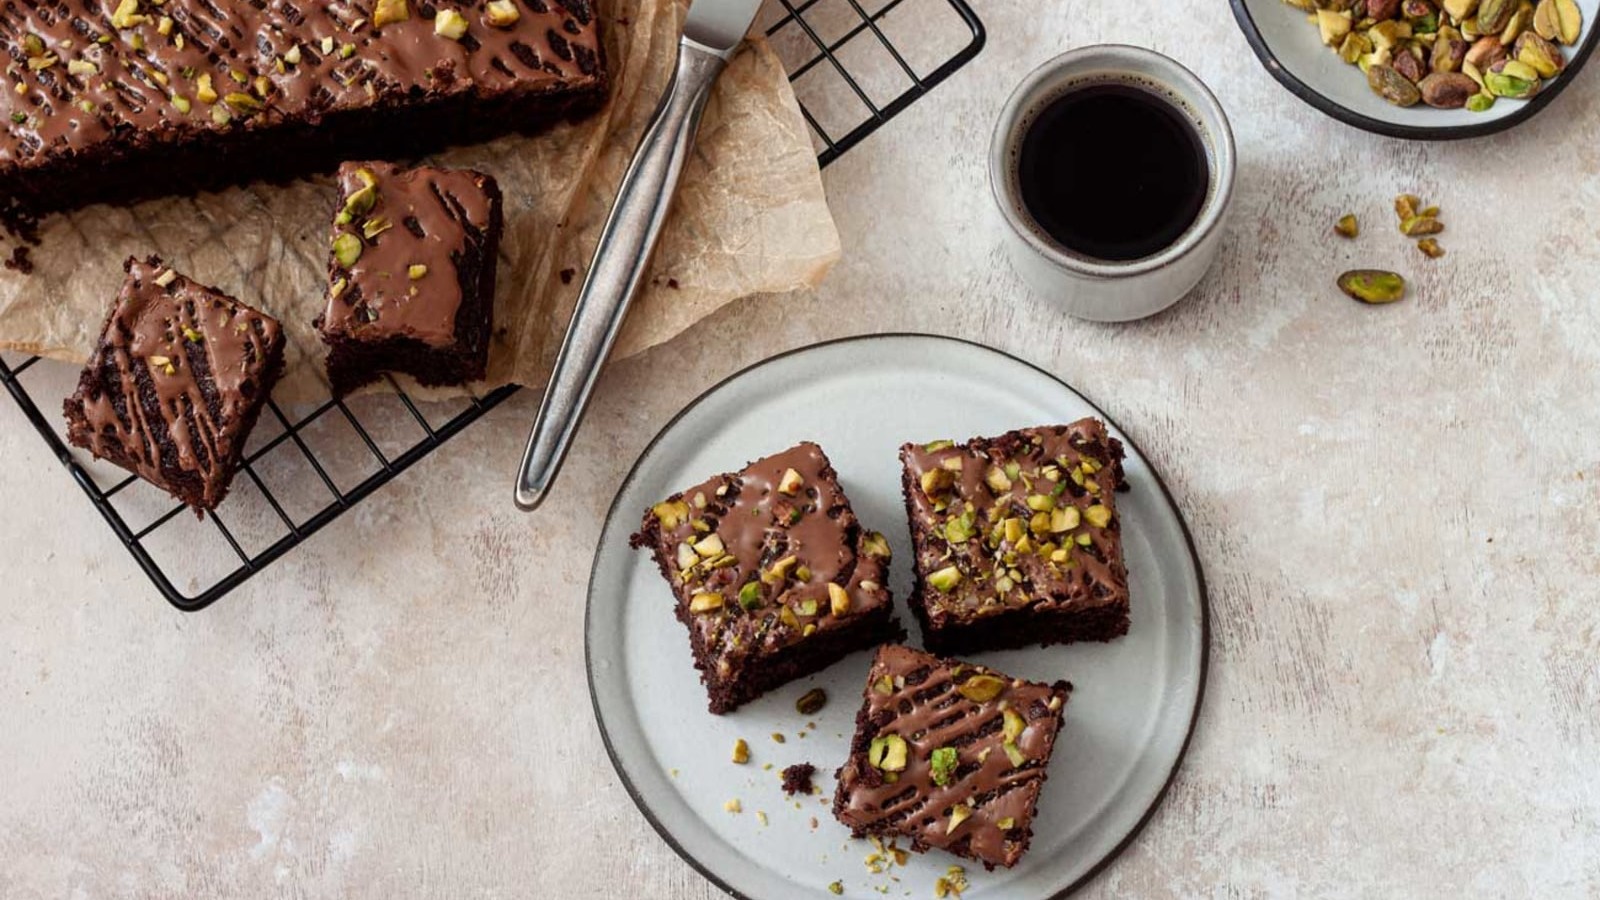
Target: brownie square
(411, 275)
(1017, 538)
(176, 383)
(950, 755)
(774, 577)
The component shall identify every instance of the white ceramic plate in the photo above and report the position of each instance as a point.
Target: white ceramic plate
(1293, 53)
(1130, 715)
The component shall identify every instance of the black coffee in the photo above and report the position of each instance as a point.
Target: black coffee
(1112, 172)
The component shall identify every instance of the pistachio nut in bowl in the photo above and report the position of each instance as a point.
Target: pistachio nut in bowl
(1422, 69)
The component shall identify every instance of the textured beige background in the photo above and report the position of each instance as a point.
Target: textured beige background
(1396, 509)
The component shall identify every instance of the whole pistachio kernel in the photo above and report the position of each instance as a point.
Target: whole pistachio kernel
(838, 599)
(416, 271)
(811, 702)
(346, 249)
(450, 24)
(981, 688)
(1372, 286)
(501, 14)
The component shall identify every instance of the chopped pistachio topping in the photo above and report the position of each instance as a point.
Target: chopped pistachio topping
(888, 753)
(790, 483)
(347, 50)
(733, 806)
(670, 512)
(838, 599)
(166, 277)
(337, 288)
(937, 481)
(836, 887)
(807, 607)
(709, 546)
(164, 25)
(884, 685)
(346, 249)
(943, 762)
(501, 13)
(375, 226)
(876, 545)
(189, 334)
(181, 103)
(936, 446)
(388, 11)
(1007, 823)
(204, 90)
(448, 24)
(981, 688)
(945, 580)
(327, 46)
(741, 751)
(416, 271)
(1013, 725)
(292, 55)
(82, 68)
(750, 595)
(705, 602)
(1098, 516)
(242, 102)
(1014, 753)
(958, 814)
(126, 15)
(779, 571)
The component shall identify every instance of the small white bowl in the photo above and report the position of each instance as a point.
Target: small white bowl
(1293, 53)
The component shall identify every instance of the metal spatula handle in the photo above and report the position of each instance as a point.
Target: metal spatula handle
(620, 262)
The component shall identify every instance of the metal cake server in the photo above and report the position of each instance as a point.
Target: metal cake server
(713, 30)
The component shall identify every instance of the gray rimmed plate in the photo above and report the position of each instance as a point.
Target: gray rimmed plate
(1127, 724)
(1293, 53)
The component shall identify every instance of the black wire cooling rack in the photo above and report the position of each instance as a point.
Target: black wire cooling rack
(855, 64)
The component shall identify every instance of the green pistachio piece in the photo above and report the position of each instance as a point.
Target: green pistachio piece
(981, 688)
(811, 702)
(389, 11)
(888, 753)
(945, 580)
(750, 595)
(958, 814)
(346, 249)
(943, 764)
(1372, 286)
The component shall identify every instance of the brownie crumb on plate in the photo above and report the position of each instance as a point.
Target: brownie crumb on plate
(949, 754)
(176, 383)
(797, 779)
(1017, 538)
(773, 576)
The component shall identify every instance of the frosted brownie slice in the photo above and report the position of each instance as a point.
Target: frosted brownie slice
(1017, 538)
(773, 576)
(411, 275)
(950, 755)
(176, 383)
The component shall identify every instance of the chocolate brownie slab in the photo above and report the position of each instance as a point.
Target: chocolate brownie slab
(411, 275)
(774, 577)
(176, 383)
(1017, 538)
(114, 100)
(950, 755)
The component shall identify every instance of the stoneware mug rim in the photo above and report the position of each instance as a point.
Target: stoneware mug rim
(1111, 59)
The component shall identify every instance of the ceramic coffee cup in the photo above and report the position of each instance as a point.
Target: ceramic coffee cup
(1098, 289)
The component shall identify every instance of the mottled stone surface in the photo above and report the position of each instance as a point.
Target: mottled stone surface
(1396, 509)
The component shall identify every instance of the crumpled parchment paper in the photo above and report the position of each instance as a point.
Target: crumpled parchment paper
(750, 218)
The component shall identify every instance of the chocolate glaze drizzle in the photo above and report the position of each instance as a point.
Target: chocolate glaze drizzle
(179, 372)
(1095, 575)
(924, 707)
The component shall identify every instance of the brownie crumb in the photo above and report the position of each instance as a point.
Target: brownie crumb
(19, 261)
(566, 275)
(672, 283)
(797, 779)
